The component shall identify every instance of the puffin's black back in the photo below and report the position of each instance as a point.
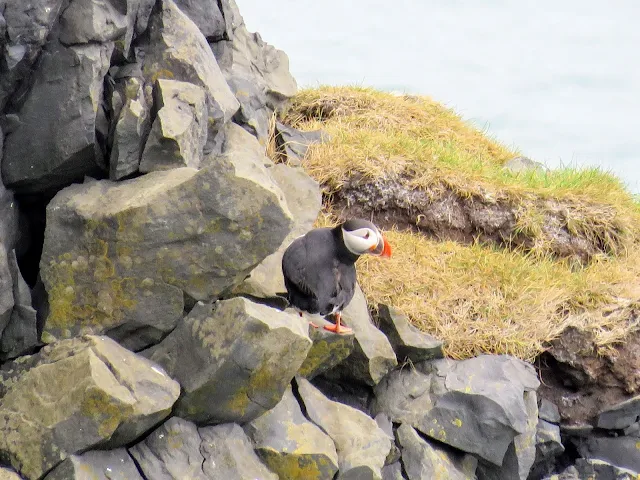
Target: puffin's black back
(319, 272)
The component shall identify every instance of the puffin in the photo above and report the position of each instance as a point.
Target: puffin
(319, 267)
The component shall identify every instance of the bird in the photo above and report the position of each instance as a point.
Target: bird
(319, 267)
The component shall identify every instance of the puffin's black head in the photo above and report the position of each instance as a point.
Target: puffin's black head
(362, 236)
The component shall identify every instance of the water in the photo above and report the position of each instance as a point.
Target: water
(559, 80)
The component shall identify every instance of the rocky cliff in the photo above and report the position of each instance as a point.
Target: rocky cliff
(141, 231)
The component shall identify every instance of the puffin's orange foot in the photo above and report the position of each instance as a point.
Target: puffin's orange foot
(338, 328)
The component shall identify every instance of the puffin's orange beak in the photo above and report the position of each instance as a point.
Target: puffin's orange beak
(382, 249)
(386, 251)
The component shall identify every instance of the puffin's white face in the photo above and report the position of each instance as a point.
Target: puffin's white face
(361, 241)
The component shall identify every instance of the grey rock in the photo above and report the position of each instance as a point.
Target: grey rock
(179, 131)
(97, 465)
(569, 473)
(328, 349)
(408, 342)
(55, 143)
(392, 472)
(178, 50)
(78, 394)
(601, 470)
(123, 253)
(206, 15)
(99, 21)
(384, 422)
(548, 447)
(294, 143)
(354, 394)
(423, 460)
(6, 290)
(6, 474)
(361, 445)
(475, 405)
(242, 356)
(373, 356)
(130, 131)
(548, 411)
(620, 416)
(290, 445)
(633, 430)
(8, 216)
(622, 452)
(171, 452)
(521, 453)
(524, 164)
(228, 455)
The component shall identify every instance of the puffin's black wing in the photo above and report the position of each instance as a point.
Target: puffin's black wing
(294, 268)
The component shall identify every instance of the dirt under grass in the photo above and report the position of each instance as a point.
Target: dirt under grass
(488, 260)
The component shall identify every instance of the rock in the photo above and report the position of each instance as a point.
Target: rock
(93, 21)
(290, 445)
(242, 357)
(130, 131)
(55, 142)
(383, 421)
(355, 395)
(408, 342)
(135, 248)
(372, 357)
(78, 394)
(6, 474)
(633, 430)
(179, 132)
(171, 452)
(327, 351)
(548, 447)
(20, 334)
(228, 455)
(97, 465)
(6, 290)
(178, 51)
(206, 15)
(622, 452)
(475, 405)
(600, 470)
(524, 164)
(424, 460)
(620, 416)
(294, 143)
(361, 445)
(569, 473)
(392, 472)
(8, 215)
(548, 411)
(521, 453)
(304, 200)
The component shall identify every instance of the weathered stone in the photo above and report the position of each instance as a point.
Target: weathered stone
(548, 411)
(408, 342)
(8, 216)
(384, 422)
(622, 452)
(179, 131)
(6, 474)
(171, 452)
(372, 357)
(6, 290)
(633, 430)
(130, 131)
(242, 356)
(423, 460)
(594, 469)
(392, 472)
(55, 142)
(290, 445)
(548, 447)
(206, 15)
(294, 143)
(475, 405)
(178, 51)
(97, 465)
(569, 473)
(304, 200)
(228, 455)
(85, 21)
(328, 349)
(620, 416)
(78, 394)
(361, 445)
(356, 395)
(521, 453)
(524, 164)
(124, 253)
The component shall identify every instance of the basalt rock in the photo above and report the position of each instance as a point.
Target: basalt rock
(97, 465)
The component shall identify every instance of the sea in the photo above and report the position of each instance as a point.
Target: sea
(557, 79)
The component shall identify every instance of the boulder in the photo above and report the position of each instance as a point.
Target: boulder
(78, 394)
(548, 411)
(126, 253)
(384, 422)
(6, 290)
(293, 143)
(423, 460)
(620, 416)
(476, 405)
(228, 455)
(407, 341)
(328, 349)
(171, 452)
(177, 50)
(130, 129)
(621, 452)
(548, 447)
(361, 445)
(6, 474)
(372, 357)
(290, 445)
(179, 131)
(8, 214)
(93, 21)
(242, 356)
(206, 15)
(97, 465)
(392, 472)
(601, 470)
(54, 143)
(633, 430)
(356, 395)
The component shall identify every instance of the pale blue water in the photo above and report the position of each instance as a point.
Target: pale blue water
(558, 79)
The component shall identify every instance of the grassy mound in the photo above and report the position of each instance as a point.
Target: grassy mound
(505, 292)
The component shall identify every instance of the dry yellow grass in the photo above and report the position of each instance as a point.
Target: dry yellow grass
(477, 298)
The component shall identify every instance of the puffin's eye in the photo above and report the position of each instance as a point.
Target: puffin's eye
(366, 235)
